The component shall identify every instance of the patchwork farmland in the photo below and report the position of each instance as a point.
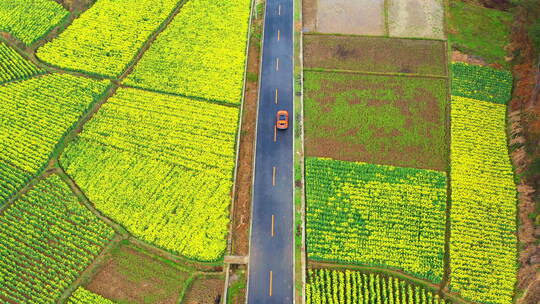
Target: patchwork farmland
(118, 148)
(409, 189)
(127, 151)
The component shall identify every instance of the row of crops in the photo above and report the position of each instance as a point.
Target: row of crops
(326, 286)
(47, 238)
(201, 53)
(107, 37)
(34, 115)
(84, 296)
(13, 66)
(28, 20)
(168, 162)
(359, 213)
(483, 244)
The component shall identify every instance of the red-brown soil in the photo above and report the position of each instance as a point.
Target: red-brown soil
(375, 54)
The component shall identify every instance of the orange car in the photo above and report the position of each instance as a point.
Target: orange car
(282, 121)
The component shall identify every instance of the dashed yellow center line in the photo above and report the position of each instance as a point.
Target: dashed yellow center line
(276, 96)
(277, 64)
(278, 32)
(275, 133)
(273, 225)
(270, 287)
(273, 176)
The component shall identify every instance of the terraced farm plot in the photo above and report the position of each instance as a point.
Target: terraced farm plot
(202, 52)
(359, 213)
(107, 37)
(13, 66)
(36, 113)
(30, 20)
(416, 18)
(482, 83)
(47, 238)
(354, 287)
(168, 162)
(396, 121)
(483, 240)
(375, 54)
(12, 179)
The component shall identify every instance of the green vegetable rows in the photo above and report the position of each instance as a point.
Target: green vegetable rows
(168, 162)
(13, 66)
(29, 20)
(354, 287)
(36, 113)
(106, 38)
(481, 83)
(201, 53)
(378, 215)
(46, 239)
(84, 296)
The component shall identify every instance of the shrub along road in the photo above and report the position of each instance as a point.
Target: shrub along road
(271, 253)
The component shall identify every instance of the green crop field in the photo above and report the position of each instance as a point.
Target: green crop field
(483, 216)
(376, 118)
(107, 37)
(145, 144)
(197, 50)
(377, 215)
(36, 113)
(13, 66)
(355, 287)
(83, 296)
(46, 238)
(29, 21)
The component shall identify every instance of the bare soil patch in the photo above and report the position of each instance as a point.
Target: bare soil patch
(309, 15)
(363, 17)
(375, 54)
(416, 18)
(205, 291)
(132, 276)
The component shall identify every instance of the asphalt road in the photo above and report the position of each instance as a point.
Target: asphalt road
(271, 251)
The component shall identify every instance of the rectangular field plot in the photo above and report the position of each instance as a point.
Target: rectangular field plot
(482, 83)
(359, 213)
(364, 17)
(47, 238)
(355, 287)
(375, 54)
(29, 20)
(396, 121)
(201, 54)
(84, 296)
(13, 66)
(416, 18)
(36, 113)
(12, 179)
(483, 240)
(168, 165)
(106, 38)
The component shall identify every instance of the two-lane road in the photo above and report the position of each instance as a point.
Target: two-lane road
(271, 253)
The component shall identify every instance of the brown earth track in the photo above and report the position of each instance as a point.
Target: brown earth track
(244, 177)
(375, 54)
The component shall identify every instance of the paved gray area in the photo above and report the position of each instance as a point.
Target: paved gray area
(271, 252)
